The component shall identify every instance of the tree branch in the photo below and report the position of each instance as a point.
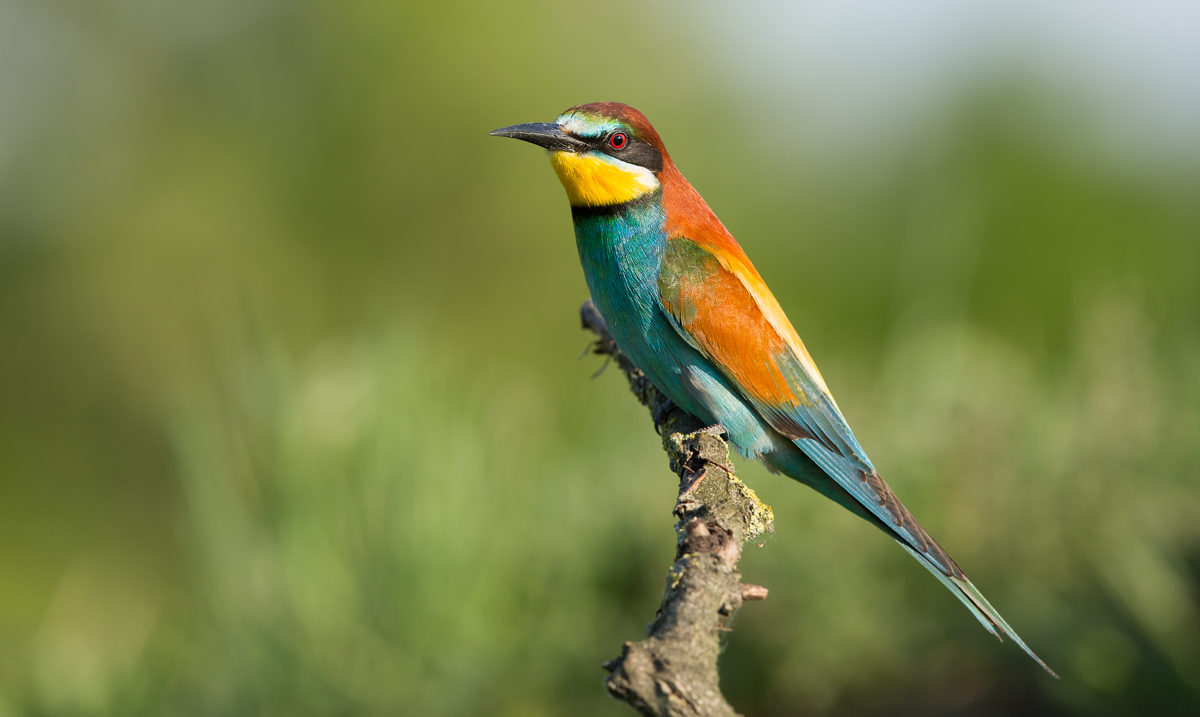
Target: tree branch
(674, 670)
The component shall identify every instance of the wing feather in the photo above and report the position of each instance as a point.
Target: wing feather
(722, 315)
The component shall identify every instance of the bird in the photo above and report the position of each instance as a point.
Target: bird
(685, 304)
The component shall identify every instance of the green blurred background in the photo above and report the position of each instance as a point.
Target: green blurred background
(291, 416)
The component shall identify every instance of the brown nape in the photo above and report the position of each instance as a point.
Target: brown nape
(630, 116)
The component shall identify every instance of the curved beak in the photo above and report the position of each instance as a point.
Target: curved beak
(543, 134)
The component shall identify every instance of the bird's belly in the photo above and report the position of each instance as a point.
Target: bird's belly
(651, 343)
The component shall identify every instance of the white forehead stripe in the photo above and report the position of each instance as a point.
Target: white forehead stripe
(584, 126)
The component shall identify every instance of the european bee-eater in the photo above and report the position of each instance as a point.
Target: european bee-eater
(683, 301)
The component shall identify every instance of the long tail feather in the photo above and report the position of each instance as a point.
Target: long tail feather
(824, 478)
(978, 605)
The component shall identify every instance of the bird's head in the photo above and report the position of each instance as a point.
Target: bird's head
(604, 153)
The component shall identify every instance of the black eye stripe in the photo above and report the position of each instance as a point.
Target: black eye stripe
(631, 150)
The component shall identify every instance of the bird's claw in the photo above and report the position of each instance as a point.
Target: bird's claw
(660, 413)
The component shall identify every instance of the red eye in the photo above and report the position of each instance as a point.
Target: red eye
(618, 141)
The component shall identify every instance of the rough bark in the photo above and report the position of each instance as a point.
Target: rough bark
(674, 670)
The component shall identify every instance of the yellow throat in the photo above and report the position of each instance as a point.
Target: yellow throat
(593, 180)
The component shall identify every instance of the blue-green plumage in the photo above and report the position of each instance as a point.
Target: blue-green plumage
(621, 252)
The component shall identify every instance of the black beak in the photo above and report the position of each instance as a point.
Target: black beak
(543, 134)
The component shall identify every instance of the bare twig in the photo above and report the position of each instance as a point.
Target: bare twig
(674, 670)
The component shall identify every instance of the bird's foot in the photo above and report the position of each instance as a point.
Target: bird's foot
(660, 413)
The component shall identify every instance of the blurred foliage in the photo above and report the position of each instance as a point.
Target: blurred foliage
(292, 421)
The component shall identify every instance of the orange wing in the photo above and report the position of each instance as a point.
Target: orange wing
(722, 307)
